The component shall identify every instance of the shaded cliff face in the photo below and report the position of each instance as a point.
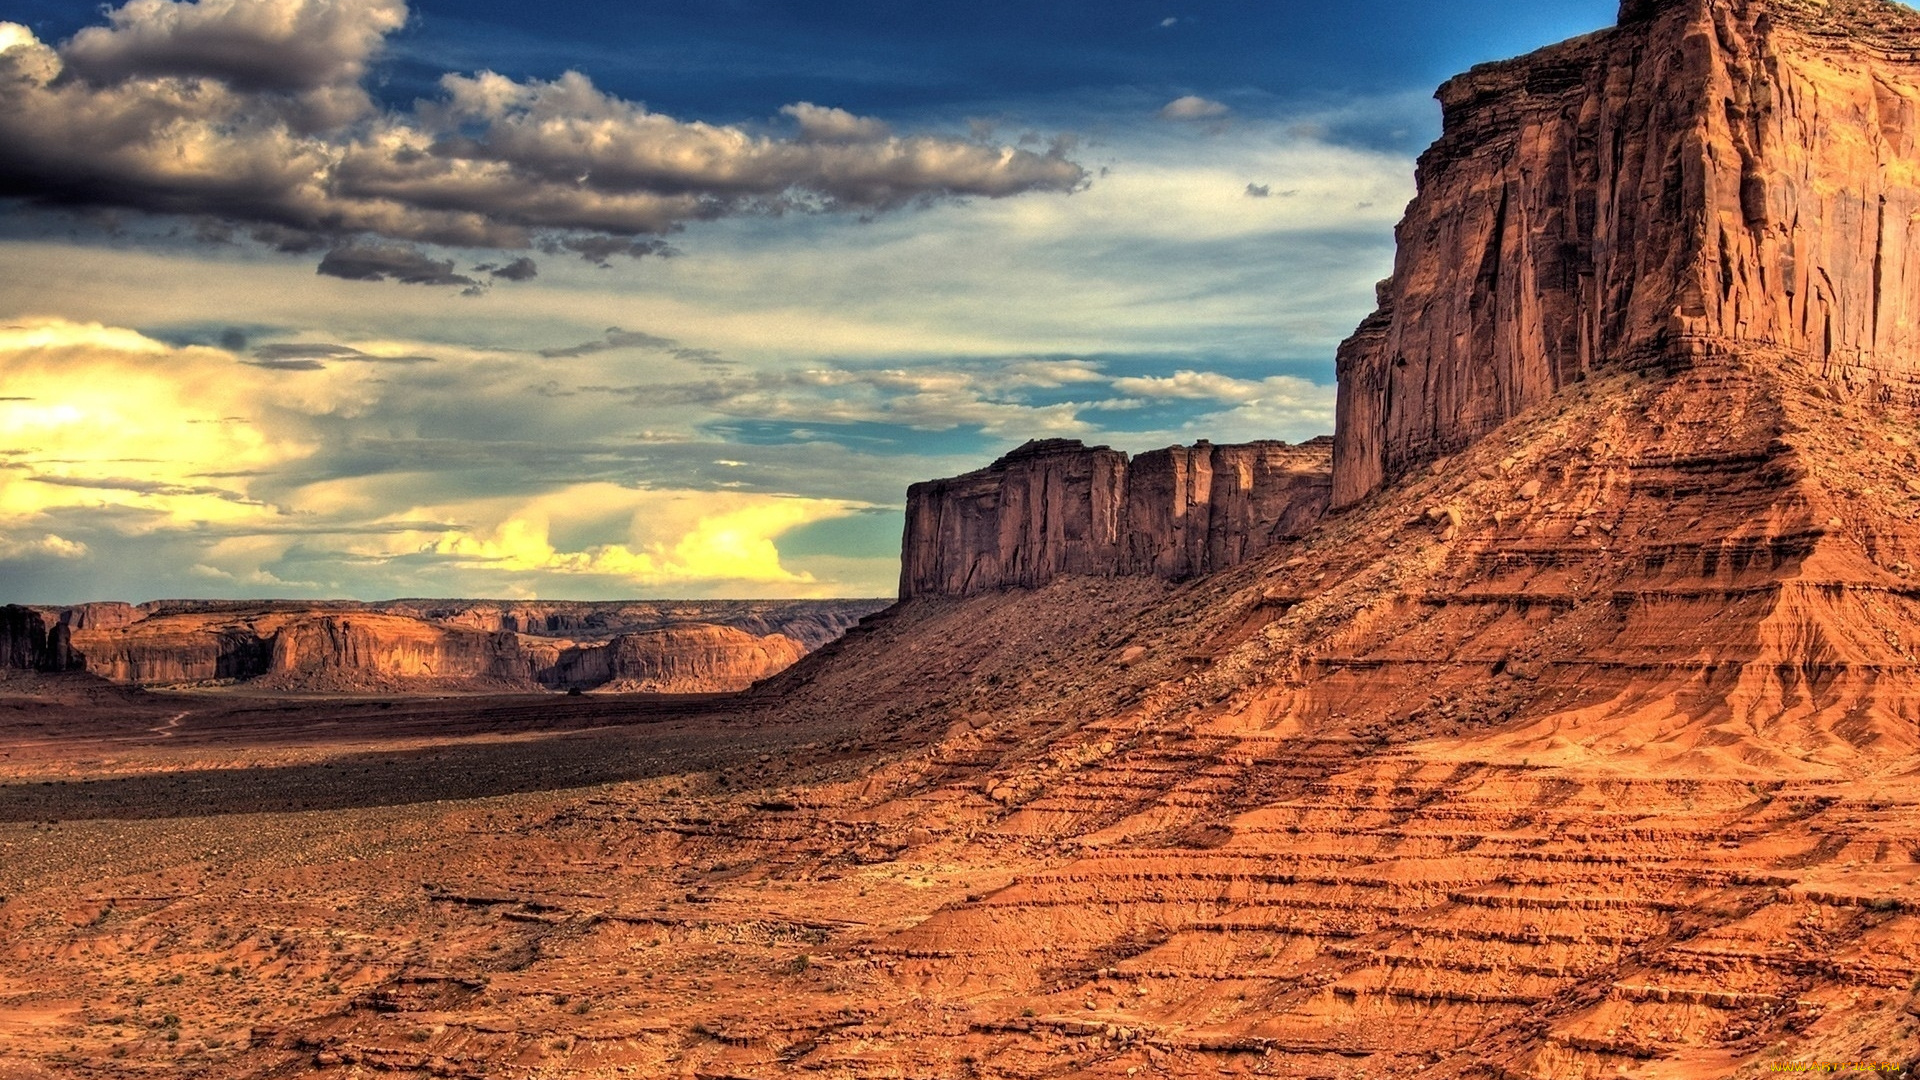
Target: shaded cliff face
(1058, 508)
(1708, 176)
(682, 647)
(28, 643)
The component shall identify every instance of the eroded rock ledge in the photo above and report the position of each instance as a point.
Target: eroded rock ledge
(1057, 507)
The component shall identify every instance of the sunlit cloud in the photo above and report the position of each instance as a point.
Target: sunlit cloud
(130, 438)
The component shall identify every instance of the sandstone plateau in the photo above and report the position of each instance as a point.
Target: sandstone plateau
(1580, 738)
(688, 647)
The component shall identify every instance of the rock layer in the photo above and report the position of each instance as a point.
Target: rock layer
(1709, 175)
(1057, 507)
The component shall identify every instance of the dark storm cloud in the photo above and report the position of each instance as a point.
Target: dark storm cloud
(254, 112)
(371, 260)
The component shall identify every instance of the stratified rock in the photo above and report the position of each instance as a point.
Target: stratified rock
(370, 650)
(1710, 175)
(1057, 508)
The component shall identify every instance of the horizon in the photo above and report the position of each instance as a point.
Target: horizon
(376, 331)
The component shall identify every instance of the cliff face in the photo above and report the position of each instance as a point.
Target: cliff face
(1709, 175)
(1058, 508)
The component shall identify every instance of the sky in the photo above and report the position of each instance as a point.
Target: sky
(370, 298)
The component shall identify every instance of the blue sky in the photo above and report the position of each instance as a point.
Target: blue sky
(368, 298)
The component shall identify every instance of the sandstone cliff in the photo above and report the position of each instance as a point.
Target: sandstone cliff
(1709, 175)
(1056, 507)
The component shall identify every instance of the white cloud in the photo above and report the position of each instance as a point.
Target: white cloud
(46, 547)
(1193, 107)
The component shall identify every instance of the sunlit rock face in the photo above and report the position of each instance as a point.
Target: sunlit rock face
(1056, 508)
(1711, 174)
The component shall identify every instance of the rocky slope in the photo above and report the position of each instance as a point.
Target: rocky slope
(1056, 507)
(661, 647)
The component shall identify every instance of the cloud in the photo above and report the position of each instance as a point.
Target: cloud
(617, 338)
(1193, 107)
(252, 112)
(520, 269)
(47, 547)
(670, 540)
(600, 250)
(368, 260)
(338, 481)
(820, 124)
(144, 487)
(313, 53)
(1208, 386)
(1259, 191)
(1169, 22)
(307, 356)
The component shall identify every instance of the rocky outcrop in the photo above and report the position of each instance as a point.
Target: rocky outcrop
(379, 650)
(1710, 175)
(1056, 508)
(680, 647)
(694, 659)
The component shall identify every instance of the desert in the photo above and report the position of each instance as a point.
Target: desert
(1555, 718)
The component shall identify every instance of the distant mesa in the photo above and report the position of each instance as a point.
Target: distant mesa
(666, 647)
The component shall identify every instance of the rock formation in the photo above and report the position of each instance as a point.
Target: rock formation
(1710, 175)
(1056, 507)
(656, 647)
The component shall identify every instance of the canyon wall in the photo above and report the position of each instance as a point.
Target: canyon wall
(679, 647)
(1056, 507)
(1709, 175)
